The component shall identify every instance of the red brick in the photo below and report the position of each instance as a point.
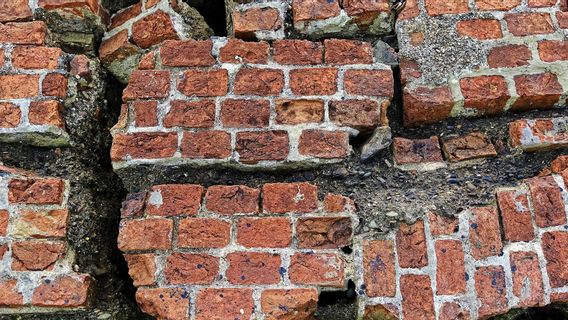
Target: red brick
(10, 296)
(246, 23)
(117, 47)
(555, 248)
(188, 268)
(491, 291)
(253, 268)
(550, 51)
(289, 197)
(537, 91)
(232, 199)
(440, 7)
(313, 82)
(36, 57)
(378, 83)
(480, 29)
(36, 191)
(264, 232)
(424, 105)
(297, 304)
(152, 3)
(324, 233)
(23, 33)
(125, 15)
(39, 224)
(4, 219)
(297, 52)
(19, 86)
(10, 115)
(314, 9)
(253, 147)
(204, 83)
(562, 18)
(141, 268)
(502, 5)
(359, 114)
(484, 233)
(245, 113)
(450, 270)
(559, 164)
(417, 298)
(2, 55)
(488, 94)
(187, 53)
(147, 84)
(516, 215)
(239, 51)
(558, 297)
(235, 304)
(133, 205)
(174, 199)
(145, 113)
(509, 56)
(148, 62)
(471, 146)
(379, 268)
(341, 52)
(203, 233)
(206, 145)
(541, 3)
(36, 255)
(191, 114)
(442, 225)
(417, 151)
(47, 112)
(411, 245)
(547, 202)
(324, 269)
(256, 81)
(527, 279)
(63, 292)
(153, 145)
(365, 9)
(524, 24)
(410, 10)
(70, 5)
(324, 144)
(15, 10)
(145, 234)
(164, 303)
(153, 29)
(299, 111)
(453, 311)
(54, 84)
(334, 203)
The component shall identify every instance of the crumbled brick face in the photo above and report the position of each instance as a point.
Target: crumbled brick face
(538, 134)
(214, 247)
(481, 61)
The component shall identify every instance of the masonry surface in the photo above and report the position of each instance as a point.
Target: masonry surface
(283, 159)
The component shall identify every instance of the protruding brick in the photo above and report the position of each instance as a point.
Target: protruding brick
(19, 86)
(203, 233)
(313, 82)
(450, 270)
(189, 268)
(117, 47)
(174, 199)
(253, 268)
(529, 23)
(440, 7)
(164, 303)
(555, 248)
(417, 151)
(488, 94)
(15, 10)
(491, 291)
(424, 105)
(417, 297)
(26, 57)
(36, 191)
(253, 147)
(264, 232)
(10, 115)
(239, 51)
(232, 199)
(527, 279)
(145, 234)
(62, 292)
(484, 233)
(324, 233)
(204, 83)
(224, 303)
(359, 114)
(537, 91)
(289, 198)
(23, 33)
(153, 29)
(245, 113)
(411, 245)
(297, 52)
(40, 224)
(151, 145)
(125, 15)
(323, 269)
(49, 112)
(36, 255)
(206, 145)
(377, 83)
(547, 202)
(516, 215)
(341, 52)
(259, 81)
(191, 114)
(247, 22)
(187, 53)
(480, 29)
(299, 111)
(141, 268)
(145, 113)
(314, 9)
(298, 304)
(509, 56)
(147, 84)
(324, 144)
(379, 270)
(10, 296)
(471, 146)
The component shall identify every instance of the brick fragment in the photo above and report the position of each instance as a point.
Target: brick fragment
(289, 198)
(4, 219)
(239, 51)
(164, 303)
(247, 22)
(226, 303)
(313, 82)
(36, 191)
(203, 233)
(324, 233)
(40, 224)
(480, 29)
(145, 234)
(362, 115)
(174, 199)
(379, 269)
(516, 215)
(55, 85)
(27, 57)
(189, 268)
(509, 56)
(153, 29)
(423, 105)
(417, 297)
(537, 91)
(323, 269)
(253, 147)
(15, 10)
(204, 83)
(559, 164)
(153, 145)
(298, 304)
(257, 81)
(10, 296)
(527, 279)
(440, 7)
(32, 33)
(297, 52)
(386, 311)
(314, 9)
(417, 151)
(125, 15)
(117, 47)
(377, 83)
(187, 53)
(411, 245)
(245, 113)
(141, 268)
(341, 52)
(191, 114)
(450, 270)
(324, 144)
(36, 255)
(147, 84)
(471, 146)
(547, 202)
(299, 111)
(10, 115)
(253, 268)
(555, 247)
(491, 291)
(530, 23)
(410, 10)
(453, 311)
(232, 199)
(19, 86)
(62, 292)
(484, 233)
(264, 232)
(551, 50)
(541, 3)
(488, 94)
(148, 62)
(442, 225)
(501, 5)
(334, 203)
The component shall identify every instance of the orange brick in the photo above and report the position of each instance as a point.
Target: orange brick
(547, 201)
(204, 83)
(224, 304)
(63, 292)
(411, 245)
(537, 91)
(509, 56)
(491, 291)
(35, 57)
(323, 269)
(289, 304)
(187, 53)
(239, 51)
(153, 145)
(313, 82)
(450, 270)
(341, 52)
(153, 29)
(253, 268)
(527, 278)
(289, 198)
(516, 215)
(146, 84)
(174, 199)
(259, 81)
(417, 297)
(297, 52)
(145, 234)
(49, 112)
(480, 29)
(555, 248)
(141, 268)
(164, 303)
(440, 7)
(203, 233)
(232, 199)
(484, 233)
(379, 268)
(264, 232)
(524, 24)
(245, 113)
(189, 268)
(36, 191)
(19, 86)
(206, 145)
(23, 33)
(324, 144)
(246, 23)
(10, 115)
(191, 114)
(488, 94)
(253, 147)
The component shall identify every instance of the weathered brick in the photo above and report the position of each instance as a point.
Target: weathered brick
(341, 52)
(313, 82)
(297, 52)
(324, 233)
(450, 269)
(550, 50)
(191, 114)
(239, 51)
(54, 84)
(253, 147)
(264, 232)
(424, 105)
(49, 112)
(387, 311)
(379, 268)
(440, 7)
(516, 215)
(378, 83)
(189, 268)
(247, 22)
(442, 225)
(410, 10)
(257, 81)
(232, 199)
(541, 3)
(480, 29)
(36, 191)
(559, 164)
(10, 296)
(148, 62)
(298, 304)
(537, 91)
(502, 5)
(203, 233)
(324, 144)
(69, 5)
(547, 202)
(174, 199)
(4, 219)
(453, 311)
(27, 57)
(145, 113)
(555, 248)
(133, 205)
(164, 303)
(153, 29)
(40, 224)
(488, 94)
(253, 268)
(417, 297)
(365, 9)
(117, 47)
(471, 146)
(15, 10)
(204, 83)
(141, 268)
(484, 233)
(417, 151)
(187, 53)
(152, 145)
(362, 115)
(562, 18)
(289, 197)
(245, 113)
(226, 303)
(335, 203)
(411, 245)
(527, 279)
(36, 255)
(145, 234)
(314, 9)
(524, 24)
(491, 291)
(23, 33)
(299, 111)
(323, 269)
(10, 115)
(509, 56)
(62, 292)
(19, 86)
(147, 84)
(125, 15)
